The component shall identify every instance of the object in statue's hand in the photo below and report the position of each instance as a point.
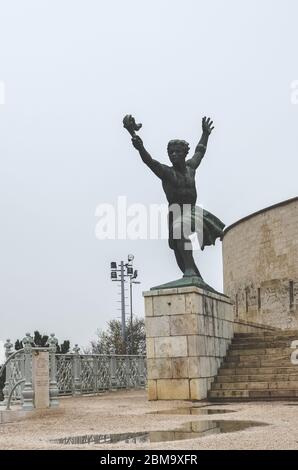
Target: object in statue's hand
(130, 124)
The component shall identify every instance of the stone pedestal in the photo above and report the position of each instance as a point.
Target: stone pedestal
(41, 382)
(188, 331)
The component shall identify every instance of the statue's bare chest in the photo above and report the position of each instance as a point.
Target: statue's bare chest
(180, 187)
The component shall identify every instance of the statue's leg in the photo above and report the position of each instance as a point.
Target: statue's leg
(190, 268)
(179, 260)
(173, 246)
(184, 257)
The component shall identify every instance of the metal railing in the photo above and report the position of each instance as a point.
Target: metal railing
(70, 374)
(92, 373)
(18, 387)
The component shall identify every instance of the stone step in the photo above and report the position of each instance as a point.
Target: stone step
(233, 351)
(289, 385)
(258, 367)
(252, 394)
(265, 344)
(262, 358)
(258, 364)
(269, 337)
(228, 394)
(261, 344)
(227, 370)
(268, 333)
(257, 378)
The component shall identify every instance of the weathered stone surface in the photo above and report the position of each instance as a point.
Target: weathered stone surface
(186, 336)
(150, 348)
(209, 306)
(173, 346)
(173, 389)
(205, 366)
(201, 325)
(180, 368)
(210, 346)
(157, 326)
(196, 345)
(168, 304)
(194, 367)
(221, 328)
(202, 367)
(172, 291)
(152, 390)
(198, 389)
(193, 303)
(223, 346)
(40, 374)
(148, 306)
(184, 324)
(159, 368)
(260, 261)
(209, 326)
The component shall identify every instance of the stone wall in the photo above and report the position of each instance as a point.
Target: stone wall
(188, 331)
(260, 260)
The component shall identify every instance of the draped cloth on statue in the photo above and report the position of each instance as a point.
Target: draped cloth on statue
(188, 220)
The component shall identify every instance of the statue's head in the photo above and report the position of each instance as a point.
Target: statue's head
(177, 151)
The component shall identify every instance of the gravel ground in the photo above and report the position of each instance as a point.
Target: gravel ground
(128, 411)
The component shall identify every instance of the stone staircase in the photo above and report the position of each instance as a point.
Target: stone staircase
(258, 367)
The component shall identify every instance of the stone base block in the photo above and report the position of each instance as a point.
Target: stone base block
(188, 331)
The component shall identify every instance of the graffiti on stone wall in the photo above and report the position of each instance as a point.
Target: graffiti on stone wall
(268, 302)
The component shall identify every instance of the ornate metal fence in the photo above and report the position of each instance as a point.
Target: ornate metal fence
(64, 367)
(92, 373)
(15, 372)
(18, 370)
(73, 374)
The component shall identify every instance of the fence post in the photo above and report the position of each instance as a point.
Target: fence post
(128, 371)
(28, 392)
(77, 370)
(95, 374)
(8, 351)
(52, 344)
(141, 366)
(113, 369)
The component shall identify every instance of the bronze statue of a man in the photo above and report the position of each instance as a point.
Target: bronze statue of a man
(178, 182)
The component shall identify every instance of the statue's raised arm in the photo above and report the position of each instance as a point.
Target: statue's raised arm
(207, 128)
(130, 125)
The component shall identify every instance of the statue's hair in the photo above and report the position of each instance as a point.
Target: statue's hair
(180, 143)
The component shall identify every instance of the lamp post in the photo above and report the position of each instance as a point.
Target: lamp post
(131, 282)
(124, 270)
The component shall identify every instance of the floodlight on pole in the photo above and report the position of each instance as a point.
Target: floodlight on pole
(125, 270)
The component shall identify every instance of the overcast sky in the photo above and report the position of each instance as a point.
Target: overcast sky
(72, 69)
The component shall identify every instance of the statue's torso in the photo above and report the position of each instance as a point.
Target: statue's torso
(180, 187)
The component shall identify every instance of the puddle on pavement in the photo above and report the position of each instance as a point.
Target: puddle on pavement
(190, 411)
(189, 430)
